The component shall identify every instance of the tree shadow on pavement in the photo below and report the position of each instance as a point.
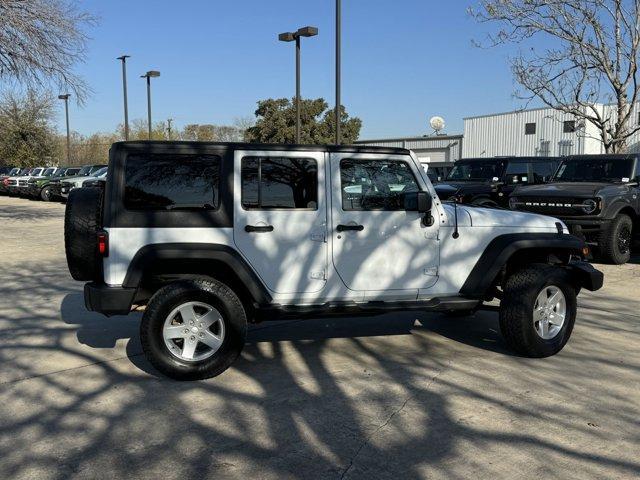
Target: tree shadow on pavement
(372, 397)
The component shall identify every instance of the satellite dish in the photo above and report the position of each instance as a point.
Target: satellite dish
(437, 123)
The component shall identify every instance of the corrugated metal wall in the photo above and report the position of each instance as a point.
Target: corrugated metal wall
(504, 134)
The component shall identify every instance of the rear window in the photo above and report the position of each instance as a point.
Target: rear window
(167, 182)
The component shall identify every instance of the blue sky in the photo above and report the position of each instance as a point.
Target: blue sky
(403, 61)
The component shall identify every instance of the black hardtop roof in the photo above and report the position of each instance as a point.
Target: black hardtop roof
(603, 156)
(509, 158)
(267, 146)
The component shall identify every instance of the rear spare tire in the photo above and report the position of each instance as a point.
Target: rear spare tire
(82, 220)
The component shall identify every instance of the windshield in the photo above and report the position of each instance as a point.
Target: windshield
(72, 171)
(84, 171)
(100, 172)
(36, 172)
(594, 170)
(48, 172)
(15, 171)
(475, 170)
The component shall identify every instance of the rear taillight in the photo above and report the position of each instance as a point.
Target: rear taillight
(103, 243)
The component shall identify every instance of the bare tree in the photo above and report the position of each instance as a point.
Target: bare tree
(589, 55)
(40, 41)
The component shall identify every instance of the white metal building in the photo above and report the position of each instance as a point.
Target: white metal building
(542, 131)
(523, 133)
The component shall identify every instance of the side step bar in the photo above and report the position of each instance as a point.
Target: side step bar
(279, 312)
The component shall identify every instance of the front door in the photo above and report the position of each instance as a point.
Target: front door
(280, 222)
(377, 246)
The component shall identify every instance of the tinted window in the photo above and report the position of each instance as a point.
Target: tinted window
(542, 171)
(517, 172)
(171, 182)
(72, 171)
(594, 169)
(84, 171)
(278, 182)
(375, 184)
(475, 170)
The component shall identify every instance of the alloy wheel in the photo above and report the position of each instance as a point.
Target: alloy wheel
(549, 312)
(193, 331)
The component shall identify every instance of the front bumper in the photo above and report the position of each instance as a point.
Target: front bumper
(585, 275)
(99, 297)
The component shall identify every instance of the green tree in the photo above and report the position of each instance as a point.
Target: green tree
(276, 122)
(27, 135)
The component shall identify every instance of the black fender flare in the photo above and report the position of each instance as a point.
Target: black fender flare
(501, 249)
(153, 254)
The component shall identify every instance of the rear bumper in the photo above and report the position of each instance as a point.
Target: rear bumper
(586, 276)
(107, 300)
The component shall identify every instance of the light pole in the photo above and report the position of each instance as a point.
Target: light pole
(338, 63)
(148, 76)
(65, 97)
(289, 37)
(123, 58)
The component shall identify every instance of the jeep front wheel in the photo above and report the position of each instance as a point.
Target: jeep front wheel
(615, 241)
(538, 310)
(193, 329)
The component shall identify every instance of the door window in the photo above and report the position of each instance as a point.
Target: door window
(517, 172)
(375, 184)
(279, 183)
(542, 171)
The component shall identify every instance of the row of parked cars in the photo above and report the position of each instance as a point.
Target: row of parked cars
(49, 183)
(596, 196)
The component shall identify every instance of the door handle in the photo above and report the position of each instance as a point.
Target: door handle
(258, 229)
(355, 228)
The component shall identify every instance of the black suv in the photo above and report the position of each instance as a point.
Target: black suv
(488, 182)
(597, 196)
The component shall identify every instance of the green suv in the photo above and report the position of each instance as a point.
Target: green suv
(40, 187)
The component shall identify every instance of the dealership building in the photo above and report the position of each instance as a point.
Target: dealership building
(534, 132)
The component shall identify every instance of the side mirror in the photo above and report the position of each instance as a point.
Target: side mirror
(417, 202)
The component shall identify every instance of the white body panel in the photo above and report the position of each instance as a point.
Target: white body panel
(292, 259)
(394, 255)
(304, 260)
(124, 243)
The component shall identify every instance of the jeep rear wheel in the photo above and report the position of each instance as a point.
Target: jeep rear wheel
(538, 310)
(615, 242)
(193, 329)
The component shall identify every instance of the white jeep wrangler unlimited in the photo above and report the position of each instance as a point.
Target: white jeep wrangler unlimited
(212, 236)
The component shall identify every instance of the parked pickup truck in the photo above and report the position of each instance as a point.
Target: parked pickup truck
(597, 196)
(213, 236)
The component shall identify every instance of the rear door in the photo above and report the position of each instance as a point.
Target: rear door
(280, 222)
(377, 246)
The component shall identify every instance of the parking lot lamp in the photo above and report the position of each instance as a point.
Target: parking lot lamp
(296, 36)
(123, 58)
(65, 97)
(148, 76)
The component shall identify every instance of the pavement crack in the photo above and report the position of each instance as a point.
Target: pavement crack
(370, 437)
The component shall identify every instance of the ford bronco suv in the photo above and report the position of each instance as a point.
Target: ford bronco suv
(209, 237)
(597, 196)
(488, 182)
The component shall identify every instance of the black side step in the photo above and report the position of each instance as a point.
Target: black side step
(340, 309)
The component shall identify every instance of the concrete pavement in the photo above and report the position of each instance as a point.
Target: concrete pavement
(395, 396)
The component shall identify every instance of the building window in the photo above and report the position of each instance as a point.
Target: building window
(569, 126)
(529, 128)
(565, 147)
